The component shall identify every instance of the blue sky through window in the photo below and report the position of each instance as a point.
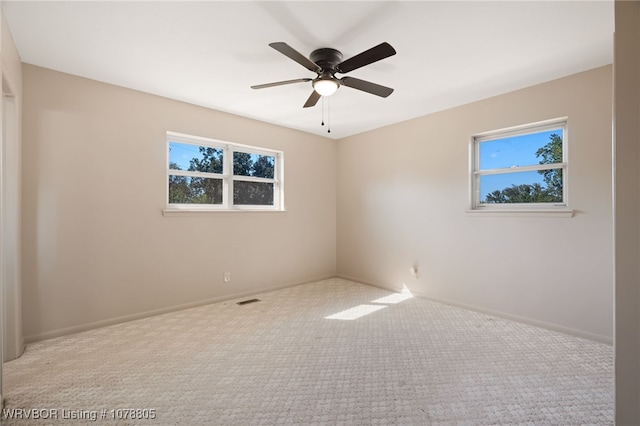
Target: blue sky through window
(182, 153)
(516, 151)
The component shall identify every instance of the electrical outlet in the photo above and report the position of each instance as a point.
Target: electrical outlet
(414, 272)
(226, 277)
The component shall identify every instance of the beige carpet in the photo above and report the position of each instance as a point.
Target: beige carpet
(330, 352)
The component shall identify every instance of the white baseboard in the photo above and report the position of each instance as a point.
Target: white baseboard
(549, 326)
(126, 318)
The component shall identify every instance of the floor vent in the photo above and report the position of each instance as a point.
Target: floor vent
(246, 302)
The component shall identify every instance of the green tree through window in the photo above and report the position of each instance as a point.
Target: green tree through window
(250, 192)
(550, 192)
(198, 190)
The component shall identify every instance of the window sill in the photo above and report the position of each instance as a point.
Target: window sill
(521, 212)
(202, 212)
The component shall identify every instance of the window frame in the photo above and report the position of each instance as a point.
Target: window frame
(227, 177)
(475, 204)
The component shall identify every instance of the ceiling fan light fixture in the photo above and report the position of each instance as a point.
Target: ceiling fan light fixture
(325, 86)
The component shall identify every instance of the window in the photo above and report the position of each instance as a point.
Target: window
(523, 168)
(206, 174)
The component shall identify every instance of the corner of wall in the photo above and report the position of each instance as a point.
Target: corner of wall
(11, 193)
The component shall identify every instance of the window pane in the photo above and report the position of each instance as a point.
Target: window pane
(183, 156)
(544, 186)
(246, 164)
(525, 150)
(194, 190)
(252, 193)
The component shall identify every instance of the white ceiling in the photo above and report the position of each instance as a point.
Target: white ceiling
(209, 52)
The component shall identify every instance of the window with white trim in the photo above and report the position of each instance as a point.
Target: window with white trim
(208, 174)
(521, 168)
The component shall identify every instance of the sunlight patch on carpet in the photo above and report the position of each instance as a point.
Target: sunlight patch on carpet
(396, 297)
(357, 312)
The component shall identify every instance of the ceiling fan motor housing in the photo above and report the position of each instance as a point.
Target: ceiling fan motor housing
(326, 58)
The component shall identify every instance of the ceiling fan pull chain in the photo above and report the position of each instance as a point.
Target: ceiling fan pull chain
(322, 123)
(329, 116)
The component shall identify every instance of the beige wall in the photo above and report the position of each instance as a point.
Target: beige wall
(627, 211)
(96, 245)
(403, 191)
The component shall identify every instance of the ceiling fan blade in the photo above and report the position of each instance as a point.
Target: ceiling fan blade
(313, 100)
(281, 83)
(366, 86)
(381, 51)
(291, 53)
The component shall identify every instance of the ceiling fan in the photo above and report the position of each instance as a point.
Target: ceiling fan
(326, 63)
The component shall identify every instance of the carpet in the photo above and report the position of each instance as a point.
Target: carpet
(329, 352)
